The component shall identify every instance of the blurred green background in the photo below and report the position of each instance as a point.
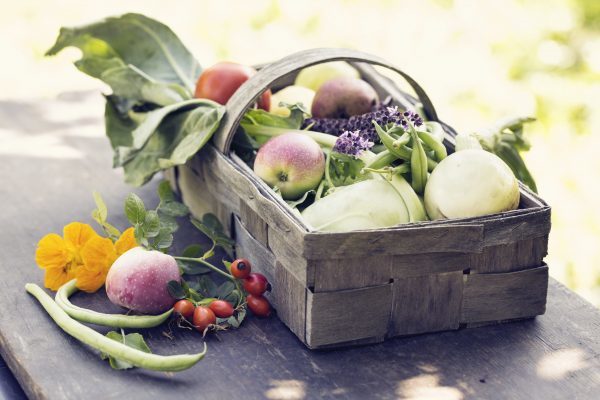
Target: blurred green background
(478, 60)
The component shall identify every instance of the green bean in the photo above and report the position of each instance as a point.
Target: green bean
(402, 151)
(394, 152)
(382, 159)
(418, 164)
(112, 320)
(108, 346)
(401, 141)
(430, 141)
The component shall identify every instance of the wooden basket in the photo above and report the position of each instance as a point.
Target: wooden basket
(338, 289)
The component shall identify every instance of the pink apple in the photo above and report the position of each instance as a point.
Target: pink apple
(292, 162)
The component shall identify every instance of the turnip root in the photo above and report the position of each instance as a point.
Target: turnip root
(138, 280)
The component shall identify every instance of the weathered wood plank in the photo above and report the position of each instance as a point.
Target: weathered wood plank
(508, 229)
(351, 273)
(292, 261)
(257, 227)
(429, 263)
(510, 257)
(395, 241)
(331, 317)
(426, 303)
(291, 301)
(497, 297)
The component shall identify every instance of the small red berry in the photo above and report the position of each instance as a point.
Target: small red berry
(240, 268)
(259, 305)
(203, 317)
(221, 308)
(184, 308)
(256, 284)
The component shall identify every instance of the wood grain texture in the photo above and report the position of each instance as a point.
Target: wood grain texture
(351, 273)
(331, 317)
(497, 297)
(409, 239)
(257, 227)
(554, 356)
(427, 303)
(514, 256)
(288, 256)
(429, 263)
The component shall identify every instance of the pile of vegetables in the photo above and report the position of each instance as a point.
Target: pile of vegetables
(379, 168)
(141, 276)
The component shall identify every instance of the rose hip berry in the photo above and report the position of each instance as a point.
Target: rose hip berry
(203, 317)
(256, 284)
(221, 308)
(184, 308)
(259, 305)
(240, 268)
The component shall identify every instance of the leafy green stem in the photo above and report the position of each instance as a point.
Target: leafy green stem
(202, 261)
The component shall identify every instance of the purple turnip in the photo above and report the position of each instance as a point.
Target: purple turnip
(138, 280)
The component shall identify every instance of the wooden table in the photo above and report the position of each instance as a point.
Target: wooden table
(53, 155)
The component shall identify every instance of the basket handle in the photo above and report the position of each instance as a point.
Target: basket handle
(250, 91)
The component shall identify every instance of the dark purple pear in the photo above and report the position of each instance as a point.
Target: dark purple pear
(343, 98)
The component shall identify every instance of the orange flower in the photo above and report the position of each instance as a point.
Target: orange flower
(61, 257)
(98, 256)
(126, 241)
(82, 254)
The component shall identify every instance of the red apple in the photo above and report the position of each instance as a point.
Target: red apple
(219, 83)
(293, 163)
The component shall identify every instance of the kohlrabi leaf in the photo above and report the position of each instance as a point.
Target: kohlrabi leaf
(180, 135)
(140, 58)
(256, 121)
(506, 140)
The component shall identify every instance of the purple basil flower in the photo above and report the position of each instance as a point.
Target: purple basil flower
(352, 143)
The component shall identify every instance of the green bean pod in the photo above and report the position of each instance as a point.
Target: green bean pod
(402, 151)
(418, 164)
(108, 346)
(112, 320)
(431, 141)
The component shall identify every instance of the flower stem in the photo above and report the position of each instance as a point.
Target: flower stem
(208, 265)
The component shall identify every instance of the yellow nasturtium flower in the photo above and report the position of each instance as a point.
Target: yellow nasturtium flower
(60, 257)
(81, 253)
(98, 256)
